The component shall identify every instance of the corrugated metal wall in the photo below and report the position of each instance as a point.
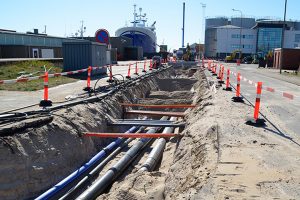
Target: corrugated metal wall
(80, 55)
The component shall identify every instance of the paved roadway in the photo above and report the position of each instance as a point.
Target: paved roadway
(284, 111)
(16, 99)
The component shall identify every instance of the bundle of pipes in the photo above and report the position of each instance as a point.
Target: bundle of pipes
(55, 190)
(101, 184)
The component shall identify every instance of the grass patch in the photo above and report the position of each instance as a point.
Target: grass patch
(36, 68)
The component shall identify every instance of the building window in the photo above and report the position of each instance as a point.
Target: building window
(248, 46)
(297, 37)
(268, 39)
(235, 46)
(295, 45)
(249, 37)
(235, 36)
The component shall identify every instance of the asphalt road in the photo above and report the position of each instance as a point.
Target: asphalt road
(17, 99)
(283, 111)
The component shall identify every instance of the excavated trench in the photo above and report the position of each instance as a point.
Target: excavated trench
(36, 157)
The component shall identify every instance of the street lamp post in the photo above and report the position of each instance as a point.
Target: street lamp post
(282, 38)
(203, 30)
(240, 56)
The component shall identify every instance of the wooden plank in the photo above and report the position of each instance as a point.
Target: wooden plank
(159, 106)
(131, 135)
(155, 113)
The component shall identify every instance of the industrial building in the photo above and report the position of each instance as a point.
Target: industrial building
(30, 45)
(222, 35)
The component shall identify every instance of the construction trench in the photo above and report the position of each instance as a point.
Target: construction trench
(39, 152)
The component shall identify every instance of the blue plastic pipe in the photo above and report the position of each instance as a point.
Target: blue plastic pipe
(59, 186)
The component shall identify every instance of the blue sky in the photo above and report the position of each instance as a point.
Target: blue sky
(63, 17)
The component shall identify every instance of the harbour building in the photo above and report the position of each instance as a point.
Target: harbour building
(225, 35)
(14, 44)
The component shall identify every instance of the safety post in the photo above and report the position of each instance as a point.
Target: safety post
(238, 98)
(238, 62)
(136, 69)
(255, 121)
(110, 80)
(128, 73)
(144, 70)
(209, 65)
(214, 70)
(221, 75)
(88, 82)
(46, 102)
(228, 88)
(220, 70)
(150, 67)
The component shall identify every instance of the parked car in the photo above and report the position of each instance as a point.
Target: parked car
(157, 61)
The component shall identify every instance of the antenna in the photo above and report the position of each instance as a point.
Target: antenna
(134, 15)
(82, 30)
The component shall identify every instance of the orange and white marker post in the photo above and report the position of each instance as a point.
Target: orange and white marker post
(144, 70)
(228, 88)
(88, 81)
(136, 68)
(110, 74)
(150, 67)
(46, 86)
(257, 101)
(46, 102)
(238, 62)
(221, 75)
(255, 121)
(215, 70)
(128, 73)
(238, 98)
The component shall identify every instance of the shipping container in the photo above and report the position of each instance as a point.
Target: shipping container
(113, 54)
(81, 54)
(133, 53)
(291, 59)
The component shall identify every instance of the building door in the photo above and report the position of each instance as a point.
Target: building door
(35, 53)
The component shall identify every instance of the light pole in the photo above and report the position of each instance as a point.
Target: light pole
(282, 38)
(235, 10)
(203, 29)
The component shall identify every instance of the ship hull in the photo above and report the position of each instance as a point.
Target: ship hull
(141, 37)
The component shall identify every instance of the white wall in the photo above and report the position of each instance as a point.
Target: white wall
(289, 39)
(225, 40)
(47, 53)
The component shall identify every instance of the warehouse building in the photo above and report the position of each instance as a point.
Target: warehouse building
(222, 36)
(30, 45)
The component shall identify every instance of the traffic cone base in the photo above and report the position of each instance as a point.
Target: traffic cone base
(88, 89)
(45, 103)
(144, 71)
(228, 89)
(110, 80)
(238, 99)
(257, 123)
(221, 82)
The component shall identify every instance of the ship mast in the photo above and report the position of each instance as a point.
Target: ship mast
(134, 15)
